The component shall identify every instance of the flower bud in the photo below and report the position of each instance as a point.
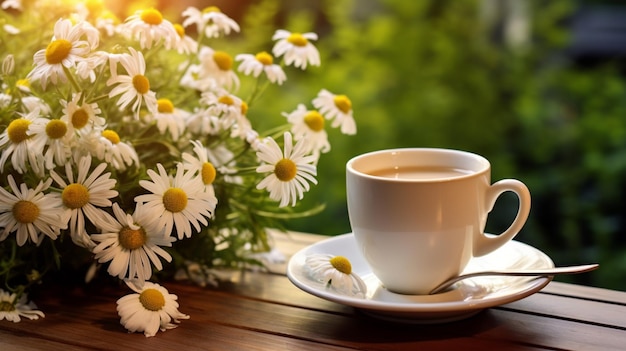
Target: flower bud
(8, 65)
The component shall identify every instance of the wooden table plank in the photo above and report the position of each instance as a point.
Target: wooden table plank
(586, 292)
(289, 319)
(592, 312)
(264, 311)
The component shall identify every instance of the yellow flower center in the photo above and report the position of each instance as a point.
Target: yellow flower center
(165, 105)
(111, 136)
(265, 58)
(343, 103)
(285, 170)
(57, 51)
(152, 17)
(56, 129)
(208, 173)
(6, 306)
(223, 60)
(25, 211)
(75, 196)
(226, 100)
(211, 9)
(23, 83)
(17, 130)
(152, 299)
(244, 108)
(132, 239)
(175, 199)
(314, 120)
(341, 264)
(297, 39)
(180, 30)
(141, 84)
(80, 117)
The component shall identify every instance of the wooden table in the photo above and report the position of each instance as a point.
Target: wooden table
(264, 311)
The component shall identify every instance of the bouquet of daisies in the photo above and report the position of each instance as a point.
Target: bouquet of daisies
(126, 150)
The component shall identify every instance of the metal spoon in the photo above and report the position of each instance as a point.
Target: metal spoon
(512, 272)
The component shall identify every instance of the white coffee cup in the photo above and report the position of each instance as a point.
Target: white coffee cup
(419, 214)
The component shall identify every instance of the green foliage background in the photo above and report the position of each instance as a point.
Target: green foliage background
(429, 73)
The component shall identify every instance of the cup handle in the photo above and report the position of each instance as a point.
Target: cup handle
(484, 244)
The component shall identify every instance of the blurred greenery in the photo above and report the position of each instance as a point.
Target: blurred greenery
(439, 73)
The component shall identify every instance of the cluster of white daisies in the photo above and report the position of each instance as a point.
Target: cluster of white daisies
(124, 135)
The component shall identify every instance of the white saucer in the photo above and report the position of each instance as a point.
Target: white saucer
(467, 298)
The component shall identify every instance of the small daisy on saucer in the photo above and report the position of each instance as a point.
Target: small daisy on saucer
(150, 309)
(335, 272)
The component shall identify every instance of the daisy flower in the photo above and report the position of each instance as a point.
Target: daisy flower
(202, 122)
(178, 202)
(217, 65)
(80, 116)
(336, 273)
(150, 309)
(131, 243)
(149, 27)
(66, 49)
(16, 142)
(86, 69)
(290, 172)
(309, 124)
(201, 165)
(224, 105)
(261, 62)
(13, 309)
(33, 103)
(222, 159)
(30, 213)
(116, 152)
(184, 43)
(23, 85)
(55, 137)
(108, 22)
(135, 86)
(296, 48)
(89, 144)
(191, 79)
(169, 118)
(83, 195)
(210, 21)
(337, 108)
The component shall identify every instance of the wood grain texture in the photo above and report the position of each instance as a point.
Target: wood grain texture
(264, 311)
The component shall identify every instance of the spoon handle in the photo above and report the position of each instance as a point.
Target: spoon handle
(523, 272)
